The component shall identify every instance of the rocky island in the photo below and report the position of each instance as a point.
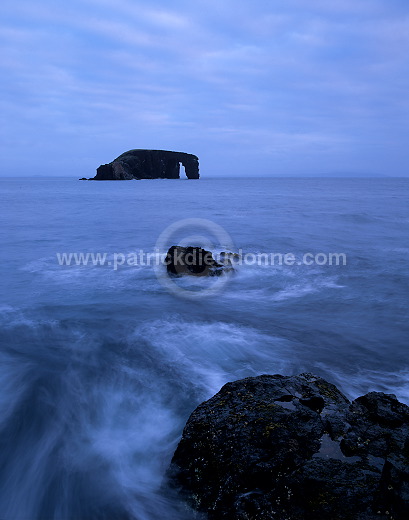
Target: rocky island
(148, 164)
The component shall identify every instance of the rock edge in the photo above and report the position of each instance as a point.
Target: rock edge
(277, 447)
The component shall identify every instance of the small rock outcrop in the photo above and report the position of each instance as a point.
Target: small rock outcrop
(194, 261)
(294, 448)
(149, 164)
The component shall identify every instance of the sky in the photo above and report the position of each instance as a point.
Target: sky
(267, 87)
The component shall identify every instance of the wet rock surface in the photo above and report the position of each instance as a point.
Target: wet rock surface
(194, 261)
(277, 447)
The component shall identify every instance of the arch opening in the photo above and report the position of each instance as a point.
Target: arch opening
(182, 170)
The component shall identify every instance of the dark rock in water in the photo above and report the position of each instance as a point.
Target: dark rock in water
(149, 164)
(193, 261)
(83, 179)
(275, 447)
(229, 258)
(230, 255)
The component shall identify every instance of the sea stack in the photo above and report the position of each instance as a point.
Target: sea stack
(149, 164)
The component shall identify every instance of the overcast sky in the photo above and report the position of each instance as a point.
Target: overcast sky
(260, 87)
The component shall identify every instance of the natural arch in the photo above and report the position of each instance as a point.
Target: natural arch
(149, 164)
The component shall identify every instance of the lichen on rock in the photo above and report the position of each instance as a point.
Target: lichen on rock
(295, 448)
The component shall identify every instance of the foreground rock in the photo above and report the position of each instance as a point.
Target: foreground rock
(275, 447)
(194, 261)
(149, 164)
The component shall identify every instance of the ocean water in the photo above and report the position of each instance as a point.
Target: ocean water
(101, 365)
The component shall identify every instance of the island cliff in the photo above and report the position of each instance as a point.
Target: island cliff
(149, 164)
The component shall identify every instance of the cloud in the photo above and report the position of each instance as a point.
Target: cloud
(327, 80)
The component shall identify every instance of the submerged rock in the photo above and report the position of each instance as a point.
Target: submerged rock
(295, 448)
(149, 164)
(194, 261)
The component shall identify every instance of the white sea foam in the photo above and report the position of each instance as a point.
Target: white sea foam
(215, 352)
(99, 369)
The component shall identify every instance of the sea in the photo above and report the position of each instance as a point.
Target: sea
(103, 357)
